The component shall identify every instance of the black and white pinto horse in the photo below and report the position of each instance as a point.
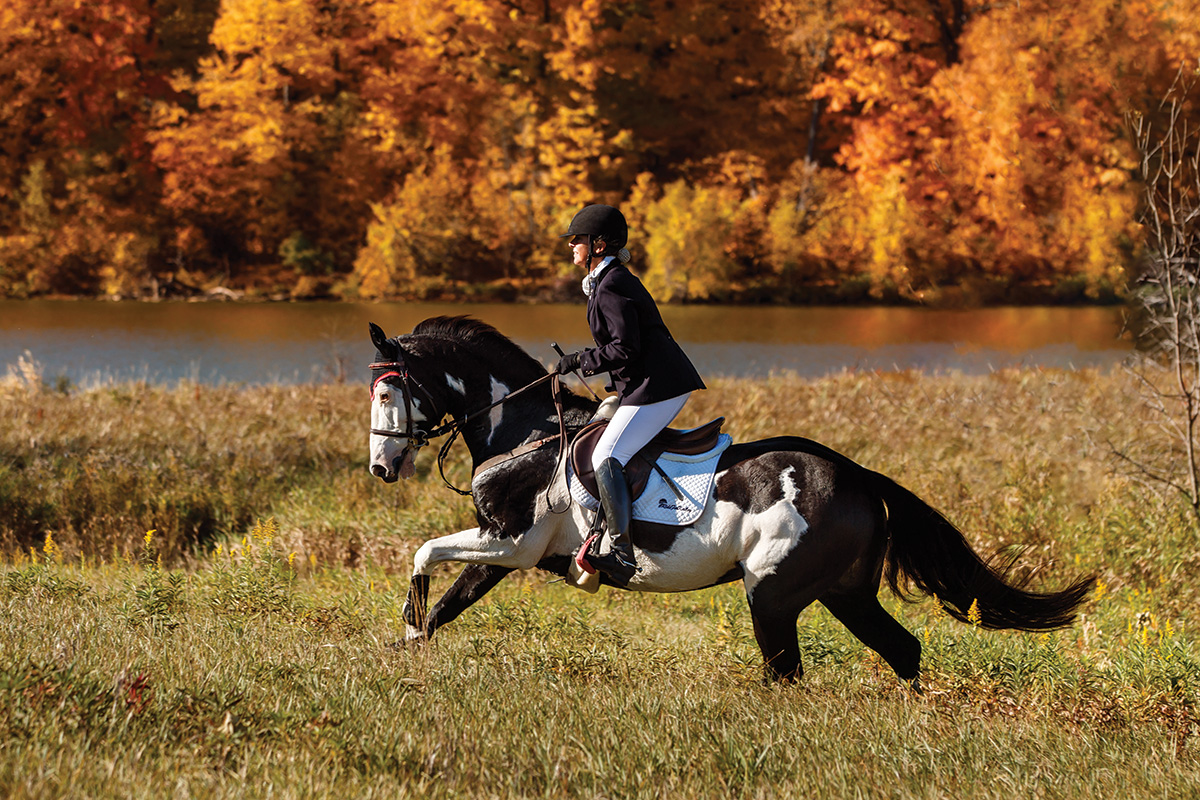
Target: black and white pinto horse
(795, 521)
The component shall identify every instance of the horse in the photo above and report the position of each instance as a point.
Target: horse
(794, 520)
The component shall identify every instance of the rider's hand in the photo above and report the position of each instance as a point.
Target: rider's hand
(568, 363)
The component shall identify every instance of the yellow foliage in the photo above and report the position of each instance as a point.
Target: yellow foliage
(687, 232)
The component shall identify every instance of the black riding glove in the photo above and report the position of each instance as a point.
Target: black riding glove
(568, 363)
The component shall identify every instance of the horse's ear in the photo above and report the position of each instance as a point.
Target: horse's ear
(386, 349)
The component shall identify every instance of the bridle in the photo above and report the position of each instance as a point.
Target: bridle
(418, 438)
(411, 432)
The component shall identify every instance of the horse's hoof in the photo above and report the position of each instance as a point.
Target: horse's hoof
(414, 639)
(406, 645)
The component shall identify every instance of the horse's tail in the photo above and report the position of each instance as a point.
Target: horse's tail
(933, 554)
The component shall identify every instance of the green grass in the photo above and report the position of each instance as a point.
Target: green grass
(242, 649)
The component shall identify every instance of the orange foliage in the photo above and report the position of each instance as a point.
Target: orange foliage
(73, 86)
(775, 149)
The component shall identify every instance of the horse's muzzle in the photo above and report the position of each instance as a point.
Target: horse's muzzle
(380, 471)
(403, 466)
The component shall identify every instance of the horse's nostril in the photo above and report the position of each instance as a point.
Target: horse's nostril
(379, 471)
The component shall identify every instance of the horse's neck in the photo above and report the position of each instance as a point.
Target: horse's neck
(509, 424)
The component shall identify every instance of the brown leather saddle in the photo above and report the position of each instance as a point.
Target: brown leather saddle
(637, 471)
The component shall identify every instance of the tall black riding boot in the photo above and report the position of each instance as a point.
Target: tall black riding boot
(619, 562)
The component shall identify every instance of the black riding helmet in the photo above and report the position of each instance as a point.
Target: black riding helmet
(600, 222)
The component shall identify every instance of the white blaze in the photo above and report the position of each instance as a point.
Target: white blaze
(387, 414)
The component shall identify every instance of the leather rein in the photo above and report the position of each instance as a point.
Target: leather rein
(418, 438)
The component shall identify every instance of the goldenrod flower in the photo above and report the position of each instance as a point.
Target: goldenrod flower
(51, 549)
(973, 614)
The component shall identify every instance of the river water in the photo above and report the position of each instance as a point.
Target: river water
(91, 342)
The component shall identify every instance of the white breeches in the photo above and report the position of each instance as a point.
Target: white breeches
(633, 426)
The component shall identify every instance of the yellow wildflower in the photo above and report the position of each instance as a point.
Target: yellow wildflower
(973, 614)
(939, 610)
(51, 549)
(264, 531)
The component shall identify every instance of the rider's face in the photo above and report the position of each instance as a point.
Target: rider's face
(579, 250)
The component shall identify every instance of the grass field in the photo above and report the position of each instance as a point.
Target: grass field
(242, 647)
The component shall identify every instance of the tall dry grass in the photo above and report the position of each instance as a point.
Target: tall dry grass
(1016, 458)
(241, 649)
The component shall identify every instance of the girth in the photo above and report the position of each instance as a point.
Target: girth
(639, 468)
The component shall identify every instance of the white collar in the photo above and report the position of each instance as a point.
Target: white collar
(592, 278)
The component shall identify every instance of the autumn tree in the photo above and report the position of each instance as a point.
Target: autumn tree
(269, 160)
(1039, 175)
(985, 142)
(78, 198)
(410, 147)
(451, 97)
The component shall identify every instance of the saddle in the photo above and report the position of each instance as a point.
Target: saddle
(641, 466)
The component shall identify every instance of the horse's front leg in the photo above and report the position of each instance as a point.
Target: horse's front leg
(416, 608)
(489, 559)
(473, 582)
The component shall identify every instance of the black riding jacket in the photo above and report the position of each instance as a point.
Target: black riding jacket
(633, 344)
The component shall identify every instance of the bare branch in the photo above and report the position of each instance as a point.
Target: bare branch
(1169, 290)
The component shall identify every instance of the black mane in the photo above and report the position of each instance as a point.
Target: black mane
(472, 332)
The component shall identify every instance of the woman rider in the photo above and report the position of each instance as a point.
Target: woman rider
(650, 372)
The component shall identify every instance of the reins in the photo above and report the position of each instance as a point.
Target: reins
(455, 426)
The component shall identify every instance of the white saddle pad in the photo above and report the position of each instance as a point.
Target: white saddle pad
(693, 475)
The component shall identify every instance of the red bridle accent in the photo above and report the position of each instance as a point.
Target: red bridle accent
(382, 377)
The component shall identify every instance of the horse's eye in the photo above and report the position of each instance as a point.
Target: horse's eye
(385, 397)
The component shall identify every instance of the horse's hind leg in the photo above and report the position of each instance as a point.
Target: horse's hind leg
(776, 636)
(862, 614)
